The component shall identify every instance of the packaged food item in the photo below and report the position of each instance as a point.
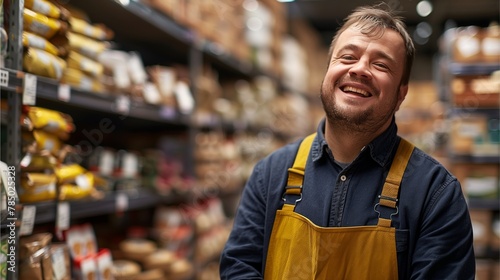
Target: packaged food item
(37, 187)
(137, 249)
(85, 64)
(50, 121)
(44, 141)
(42, 25)
(38, 162)
(86, 46)
(81, 241)
(85, 268)
(490, 45)
(61, 262)
(125, 269)
(467, 44)
(75, 182)
(104, 265)
(34, 257)
(96, 31)
(31, 40)
(161, 258)
(47, 8)
(42, 63)
(78, 79)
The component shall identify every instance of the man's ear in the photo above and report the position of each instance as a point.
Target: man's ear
(403, 90)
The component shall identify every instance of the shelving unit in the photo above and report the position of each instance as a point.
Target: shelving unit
(473, 145)
(158, 39)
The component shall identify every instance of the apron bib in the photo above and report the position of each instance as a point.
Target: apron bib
(299, 249)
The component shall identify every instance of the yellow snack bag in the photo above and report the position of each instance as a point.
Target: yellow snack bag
(42, 63)
(32, 40)
(37, 187)
(86, 46)
(82, 187)
(77, 78)
(85, 64)
(50, 121)
(96, 31)
(47, 141)
(42, 25)
(46, 8)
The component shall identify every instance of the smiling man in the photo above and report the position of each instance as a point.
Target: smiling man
(354, 200)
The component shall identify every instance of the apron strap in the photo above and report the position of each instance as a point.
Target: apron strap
(296, 172)
(390, 190)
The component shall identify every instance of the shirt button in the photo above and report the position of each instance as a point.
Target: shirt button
(343, 178)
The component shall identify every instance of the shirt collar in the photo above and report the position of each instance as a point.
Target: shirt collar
(380, 148)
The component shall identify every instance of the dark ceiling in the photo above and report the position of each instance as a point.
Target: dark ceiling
(325, 15)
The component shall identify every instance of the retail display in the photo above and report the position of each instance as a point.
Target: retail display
(470, 78)
(160, 109)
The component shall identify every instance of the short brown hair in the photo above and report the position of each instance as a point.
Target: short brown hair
(373, 20)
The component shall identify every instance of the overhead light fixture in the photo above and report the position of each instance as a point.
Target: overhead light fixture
(424, 8)
(285, 1)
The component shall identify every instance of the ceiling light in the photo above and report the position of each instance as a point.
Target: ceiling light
(424, 30)
(285, 1)
(424, 8)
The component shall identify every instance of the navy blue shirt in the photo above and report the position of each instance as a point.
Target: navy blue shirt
(434, 232)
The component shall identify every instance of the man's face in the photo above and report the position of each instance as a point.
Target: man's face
(362, 86)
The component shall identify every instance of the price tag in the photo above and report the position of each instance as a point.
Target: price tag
(64, 92)
(121, 202)
(29, 89)
(123, 104)
(63, 218)
(28, 220)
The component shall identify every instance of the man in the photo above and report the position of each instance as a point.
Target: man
(354, 201)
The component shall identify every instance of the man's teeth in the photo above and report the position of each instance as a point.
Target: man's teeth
(356, 90)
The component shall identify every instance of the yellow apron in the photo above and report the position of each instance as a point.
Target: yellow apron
(299, 249)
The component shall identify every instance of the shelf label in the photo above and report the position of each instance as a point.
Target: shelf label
(121, 202)
(64, 92)
(63, 218)
(4, 78)
(29, 89)
(123, 104)
(28, 220)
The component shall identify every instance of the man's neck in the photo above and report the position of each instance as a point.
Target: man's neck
(346, 144)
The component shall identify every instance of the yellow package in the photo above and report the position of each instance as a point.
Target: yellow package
(47, 141)
(51, 121)
(38, 162)
(86, 46)
(75, 182)
(77, 78)
(85, 64)
(47, 8)
(68, 173)
(37, 187)
(82, 187)
(32, 40)
(42, 63)
(42, 25)
(96, 31)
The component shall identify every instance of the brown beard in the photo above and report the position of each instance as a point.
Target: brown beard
(349, 121)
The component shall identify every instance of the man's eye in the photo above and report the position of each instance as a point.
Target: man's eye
(347, 57)
(381, 65)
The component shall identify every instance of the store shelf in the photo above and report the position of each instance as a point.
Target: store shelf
(493, 159)
(46, 212)
(49, 91)
(484, 203)
(456, 68)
